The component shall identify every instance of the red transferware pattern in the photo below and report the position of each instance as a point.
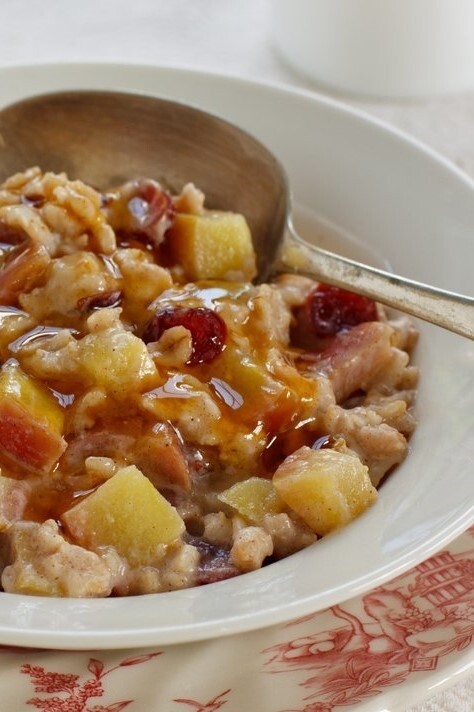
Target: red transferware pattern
(341, 658)
(382, 638)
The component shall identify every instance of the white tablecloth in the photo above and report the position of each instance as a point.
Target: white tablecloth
(226, 36)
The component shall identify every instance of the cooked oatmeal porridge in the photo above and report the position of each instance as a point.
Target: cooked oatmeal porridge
(164, 421)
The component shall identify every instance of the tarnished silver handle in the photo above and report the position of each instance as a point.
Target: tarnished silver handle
(446, 309)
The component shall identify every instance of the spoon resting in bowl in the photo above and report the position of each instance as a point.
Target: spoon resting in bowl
(106, 138)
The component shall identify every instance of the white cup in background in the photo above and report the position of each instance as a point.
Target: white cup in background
(379, 48)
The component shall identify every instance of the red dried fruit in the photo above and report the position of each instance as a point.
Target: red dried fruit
(333, 309)
(141, 211)
(149, 204)
(215, 562)
(22, 269)
(103, 300)
(208, 331)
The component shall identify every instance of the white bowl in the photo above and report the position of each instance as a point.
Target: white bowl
(392, 200)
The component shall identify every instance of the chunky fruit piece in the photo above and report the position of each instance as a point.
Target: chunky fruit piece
(208, 331)
(31, 422)
(128, 513)
(253, 498)
(21, 271)
(332, 309)
(212, 246)
(160, 455)
(148, 205)
(355, 359)
(116, 360)
(13, 324)
(245, 384)
(326, 488)
(141, 207)
(249, 384)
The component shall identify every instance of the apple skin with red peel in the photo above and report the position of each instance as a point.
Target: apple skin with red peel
(31, 422)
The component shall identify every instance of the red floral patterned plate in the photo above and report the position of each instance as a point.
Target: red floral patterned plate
(378, 652)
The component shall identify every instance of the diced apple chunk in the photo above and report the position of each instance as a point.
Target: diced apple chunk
(128, 513)
(253, 499)
(161, 457)
(214, 245)
(31, 422)
(253, 391)
(117, 360)
(326, 488)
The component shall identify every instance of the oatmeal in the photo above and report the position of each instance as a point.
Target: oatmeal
(166, 422)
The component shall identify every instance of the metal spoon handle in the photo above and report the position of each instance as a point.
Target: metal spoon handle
(446, 309)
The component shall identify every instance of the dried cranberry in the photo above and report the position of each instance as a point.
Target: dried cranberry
(333, 309)
(208, 330)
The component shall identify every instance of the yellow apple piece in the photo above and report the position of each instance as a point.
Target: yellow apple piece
(253, 498)
(127, 513)
(326, 488)
(214, 245)
(243, 380)
(116, 360)
(31, 421)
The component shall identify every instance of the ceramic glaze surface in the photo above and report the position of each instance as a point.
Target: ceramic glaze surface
(403, 204)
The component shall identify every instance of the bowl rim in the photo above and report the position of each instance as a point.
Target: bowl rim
(31, 633)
